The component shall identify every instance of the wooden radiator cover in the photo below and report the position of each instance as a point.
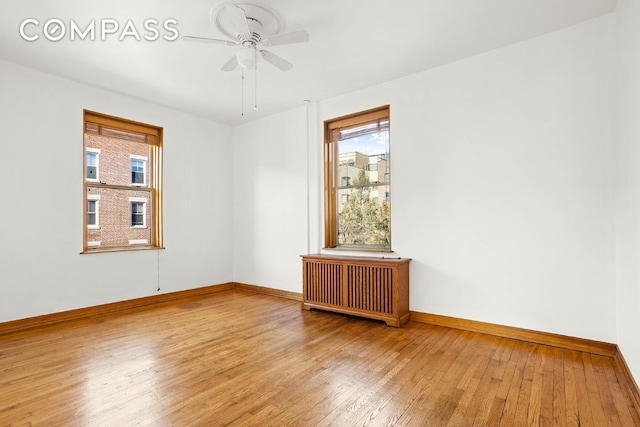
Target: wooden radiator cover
(377, 288)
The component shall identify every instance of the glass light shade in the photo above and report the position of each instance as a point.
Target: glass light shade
(247, 57)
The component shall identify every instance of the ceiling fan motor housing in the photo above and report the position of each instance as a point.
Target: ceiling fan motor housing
(254, 37)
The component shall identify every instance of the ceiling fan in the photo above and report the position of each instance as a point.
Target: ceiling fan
(252, 26)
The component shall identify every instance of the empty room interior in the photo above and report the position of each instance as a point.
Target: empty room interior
(279, 212)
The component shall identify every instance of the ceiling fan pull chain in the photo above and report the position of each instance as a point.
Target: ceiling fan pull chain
(242, 92)
(255, 95)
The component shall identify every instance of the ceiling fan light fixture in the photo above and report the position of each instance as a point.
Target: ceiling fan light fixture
(248, 57)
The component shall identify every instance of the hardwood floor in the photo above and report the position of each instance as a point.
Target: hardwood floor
(238, 358)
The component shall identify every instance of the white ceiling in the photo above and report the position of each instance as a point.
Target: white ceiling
(354, 44)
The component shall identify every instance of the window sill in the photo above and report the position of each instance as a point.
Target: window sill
(120, 249)
(354, 249)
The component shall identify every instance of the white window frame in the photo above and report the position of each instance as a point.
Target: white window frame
(94, 198)
(144, 169)
(144, 210)
(96, 152)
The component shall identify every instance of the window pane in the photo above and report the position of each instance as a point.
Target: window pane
(136, 219)
(116, 166)
(116, 216)
(363, 189)
(137, 165)
(137, 178)
(363, 216)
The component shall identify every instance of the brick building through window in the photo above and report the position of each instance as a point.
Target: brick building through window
(119, 188)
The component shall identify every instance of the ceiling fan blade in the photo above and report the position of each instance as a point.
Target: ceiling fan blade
(237, 18)
(231, 64)
(276, 61)
(208, 40)
(300, 36)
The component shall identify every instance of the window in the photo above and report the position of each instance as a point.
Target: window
(92, 164)
(138, 170)
(92, 212)
(356, 151)
(138, 213)
(123, 207)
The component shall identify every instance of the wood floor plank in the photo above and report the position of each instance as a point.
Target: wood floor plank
(572, 412)
(245, 359)
(535, 396)
(585, 410)
(559, 395)
(546, 409)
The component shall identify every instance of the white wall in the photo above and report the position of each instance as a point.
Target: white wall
(270, 198)
(41, 269)
(628, 183)
(501, 178)
(513, 217)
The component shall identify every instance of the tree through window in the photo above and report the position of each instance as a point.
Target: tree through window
(357, 184)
